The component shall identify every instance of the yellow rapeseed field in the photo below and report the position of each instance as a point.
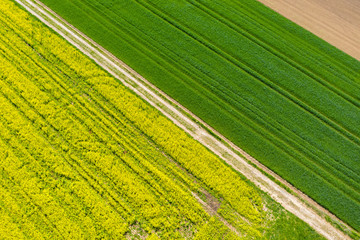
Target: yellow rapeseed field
(82, 157)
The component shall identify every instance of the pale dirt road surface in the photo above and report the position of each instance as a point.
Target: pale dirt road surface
(180, 116)
(335, 21)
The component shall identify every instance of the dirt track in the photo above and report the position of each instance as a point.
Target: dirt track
(335, 21)
(179, 116)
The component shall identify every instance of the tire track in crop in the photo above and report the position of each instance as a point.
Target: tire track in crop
(33, 77)
(75, 165)
(22, 152)
(227, 22)
(180, 122)
(257, 76)
(25, 197)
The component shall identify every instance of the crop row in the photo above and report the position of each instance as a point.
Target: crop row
(257, 78)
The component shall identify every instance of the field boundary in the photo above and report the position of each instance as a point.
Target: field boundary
(191, 124)
(335, 25)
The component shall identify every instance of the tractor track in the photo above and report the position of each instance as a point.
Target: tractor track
(191, 124)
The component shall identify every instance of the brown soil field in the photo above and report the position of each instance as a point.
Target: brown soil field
(335, 21)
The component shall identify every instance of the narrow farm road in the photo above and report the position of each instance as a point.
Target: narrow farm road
(183, 118)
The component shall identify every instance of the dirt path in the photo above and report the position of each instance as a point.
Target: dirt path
(335, 21)
(183, 118)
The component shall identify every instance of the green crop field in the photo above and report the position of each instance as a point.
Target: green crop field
(82, 157)
(285, 96)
